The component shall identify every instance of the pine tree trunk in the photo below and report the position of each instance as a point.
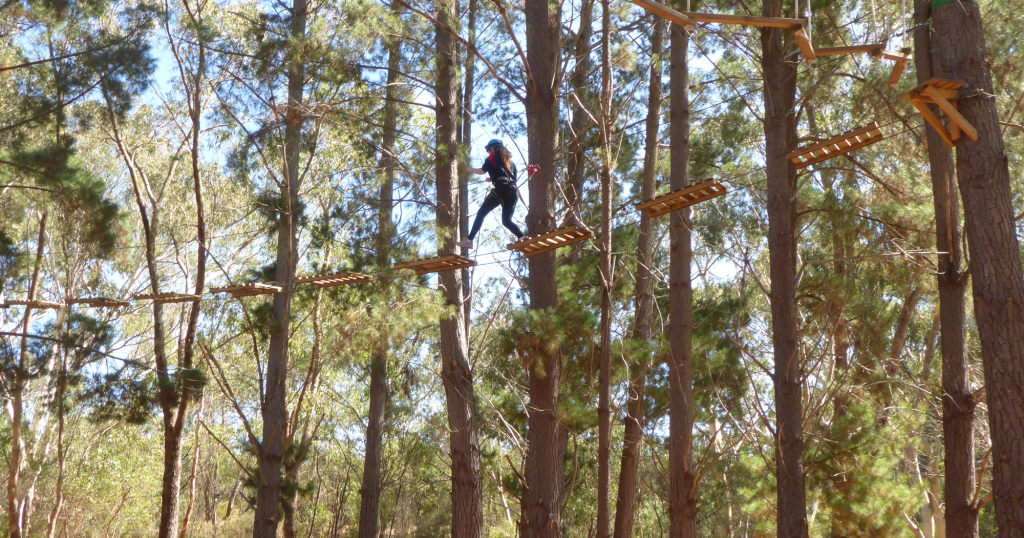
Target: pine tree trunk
(682, 476)
(629, 469)
(370, 491)
(541, 511)
(274, 409)
(996, 275)
(780, 139)
(456, 374)
(467, 142)
(580, 120)
(604, 416)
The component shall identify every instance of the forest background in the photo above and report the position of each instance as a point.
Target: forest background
(178, 146)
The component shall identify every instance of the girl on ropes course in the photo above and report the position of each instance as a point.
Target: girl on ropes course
(502, 176)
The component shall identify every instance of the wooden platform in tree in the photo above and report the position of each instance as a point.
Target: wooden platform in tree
(944, 94)
(248, 290)
(685, 197)
(833, 147)
(171, 297)
(437, 264)
(38, 304)
(99, 302)
(536, 244)
(334, 279)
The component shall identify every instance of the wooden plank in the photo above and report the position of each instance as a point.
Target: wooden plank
(953, 113)
(437, 264)
(836, 146)
(665, 12)
(873, 49)
(805, 45)
(684, 197)
(162, 298)
(873, 126)
(38, 304)
(945, 87)
(922, 107)
(898, 56)
(897, 72)
(343, 278)
(248, 290)
(531, 246)
(744, 20)
(99, 302)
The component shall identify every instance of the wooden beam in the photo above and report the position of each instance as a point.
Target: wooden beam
(874, 49)
(922, 107)
(805, 45)
(743, 20)
(898, 56)
(897, 72)
(952, 112)
(666, 12)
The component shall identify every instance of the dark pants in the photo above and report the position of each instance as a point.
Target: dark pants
(504, 195)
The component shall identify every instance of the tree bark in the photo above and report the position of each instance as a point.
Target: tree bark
(996, 275)
(629, 469)
(780, 139)
(541, 511)
(682, 475)
(274, 410)
(456, 374)
(604, 416)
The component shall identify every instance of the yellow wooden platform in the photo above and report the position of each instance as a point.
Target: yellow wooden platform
(533, 245)
(685, 197)
(248, 290)
(833, 147)
(99, 302)
(334, 279)
(38, 304)
(944, 94)
(437, 264)
(171, 297)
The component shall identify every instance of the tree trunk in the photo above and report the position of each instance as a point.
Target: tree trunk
(996, 275)
(370, 491)
(467, 142)
(682, 475)
(196, 454)
(17, 398)
(577, 160)
(231, 499)
(604, 416)
(456, 374)
(780, 139)
(274, 410)
(58, 493)
(629, 469)
(541, 511)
